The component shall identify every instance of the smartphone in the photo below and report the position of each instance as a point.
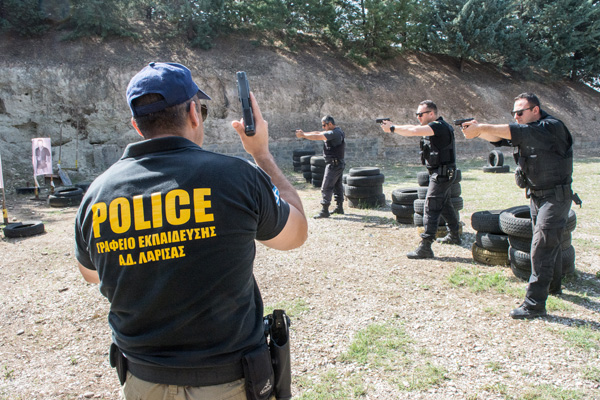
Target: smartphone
(244, 96)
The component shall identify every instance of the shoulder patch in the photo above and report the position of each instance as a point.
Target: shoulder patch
(276, 194)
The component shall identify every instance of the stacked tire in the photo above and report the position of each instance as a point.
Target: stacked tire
(496, 163)
(402, 205)
(491, 244)
(305, 167)
(419, 203)
(515, 222)
(69, 196)
(363, 187)
(296, 154)
(317, 170)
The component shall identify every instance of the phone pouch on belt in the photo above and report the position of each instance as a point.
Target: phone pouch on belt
(258, 373)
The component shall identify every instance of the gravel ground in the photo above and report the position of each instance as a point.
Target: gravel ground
(350, 275)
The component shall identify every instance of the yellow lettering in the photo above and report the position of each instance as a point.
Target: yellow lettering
(181, 253)
(198, 233)
(205, 232)
(150, 255)
(157, 254)
(163, 238)
(173, 202)
(155, 240)
(157, 220)
(121, 260)
(143, 259)
(212, 231)
(98, 217)
(130, 260)
(138, 214)
(200, 205)
(120, 225)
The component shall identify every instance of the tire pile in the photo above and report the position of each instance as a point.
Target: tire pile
(305, 168)
(496, 163)
(402, 204)
(296, 154)
(515, 222)
(491, 243)
(317, 170)
(419, 203)
(363, 187)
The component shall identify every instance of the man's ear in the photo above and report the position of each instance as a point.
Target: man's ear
(194, 115)
(136, 128)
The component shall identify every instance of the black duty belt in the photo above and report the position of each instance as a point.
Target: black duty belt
(334, 161)
(207, 376)
(547, 192)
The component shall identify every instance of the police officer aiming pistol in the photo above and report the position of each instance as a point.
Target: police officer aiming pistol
(543, 150)
(438, 154)
(334, 148)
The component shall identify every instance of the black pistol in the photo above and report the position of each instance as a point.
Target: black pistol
(459, 122)
(277, 325)
(244, 96)
(380, 120)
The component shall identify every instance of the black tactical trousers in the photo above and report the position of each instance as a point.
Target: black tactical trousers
(549, 218)
(438, 203)
(332, 183)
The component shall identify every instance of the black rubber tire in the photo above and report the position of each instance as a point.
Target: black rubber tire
(497, 170)
(423, 178)
(418, 220)
(83, 186)
(521, 259)
(492, 242)
(317, 176)
(296, 164)
(488, 257)
(516, 221)
(486, 221)
(368, 202)
(70, 201)
(317, 168)
(370, 180)
(317, 160)
(519, 243)
(402, 210)
(25, 190)
(23, 229)
(404, 196)
(305, 160)
(345, 179)
(307, 175)
(316, 183)
(302, 152)
(455, 190)
(571, 221)
(568, 260)
(419, 206)
(362, 192)
(70, 191)
(496, 158)
(405, 220)
(364, 171)
(305, 167)
(458, 203)
(422, 192)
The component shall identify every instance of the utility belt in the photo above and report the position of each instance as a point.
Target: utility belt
(561, 192)
(445, 171)
(333, 161)
(266, 369)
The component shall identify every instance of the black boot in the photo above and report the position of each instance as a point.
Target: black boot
(339, 209)
(423, 251)
(450, 238)
(324, 213)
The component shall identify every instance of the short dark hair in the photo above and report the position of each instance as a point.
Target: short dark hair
(170, 120)
(531, 98)
(328, 119)
(430, 105)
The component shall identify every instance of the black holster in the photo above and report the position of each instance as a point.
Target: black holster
(118, 361)
(277, 329)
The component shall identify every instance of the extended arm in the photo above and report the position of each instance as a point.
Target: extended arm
(408, 130)
(489, 132)
(314, 135)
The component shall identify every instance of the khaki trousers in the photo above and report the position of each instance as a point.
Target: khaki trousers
(137, 389)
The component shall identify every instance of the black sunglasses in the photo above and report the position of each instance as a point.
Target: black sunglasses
(204, 111)
(520, 112)
(420, 114)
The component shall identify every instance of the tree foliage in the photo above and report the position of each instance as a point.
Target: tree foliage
(561, 37)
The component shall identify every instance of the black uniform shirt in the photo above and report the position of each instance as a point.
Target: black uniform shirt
(171, 230)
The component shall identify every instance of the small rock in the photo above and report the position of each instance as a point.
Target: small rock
(20, 332)
(88, 395)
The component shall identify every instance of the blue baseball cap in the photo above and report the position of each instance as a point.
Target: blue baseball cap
(173, 81)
